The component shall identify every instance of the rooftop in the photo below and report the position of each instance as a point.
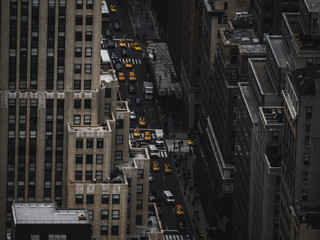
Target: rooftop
(243, 87)
(261, 74)
(313, 5)
(272, 115)
(107, 76)
(46, 213)
(104, 128)
(305, 215)
(277, 49)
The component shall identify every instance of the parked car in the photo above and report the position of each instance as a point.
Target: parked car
(133, 115)
(117, 25)
(113, 55)
(110, 43)
(108, 33)
(132, 89)
(124, 52)
(139, 100)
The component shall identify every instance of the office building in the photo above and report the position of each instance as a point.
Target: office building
(65, 135)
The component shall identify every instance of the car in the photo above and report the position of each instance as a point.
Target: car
(142, 121)
(155, 166)
(124, 52)
(117, 25)
(159, 141)
(192, 143)
(133, 115)
(153, 151)
(147, 136)
(167, 168)
(139, 100)
(113, 8)
(128, 63)
(110, 43)
(132, 77)
(135, 46)
(121, 76)
(122, 43)
(168, 197)
(132, 89)
(108, 33)
(181, 223)
(113, 55)
(129, 100)
(150, 178)
(118, 66)
(137, 144)
(136, 133)
(179, 209)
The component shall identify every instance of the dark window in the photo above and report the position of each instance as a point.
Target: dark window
(119, 139)
(138, 219)
(308, 112)
(114, 230)
(104, 215)
(99, 142)
(76, 119)
(87, 119)
(89, 143)
(119, 123)
(99, 159)
(88, 36)
(78, 175)
(77, 104)
(79, 143)
(104, 230)
(77, 84)
(115, 199)
(79, 198)
(107, 93)
(89, 4)
(87, 68)
(79, 159)
(79, 4)
(225, 5)
(78, 36)
(139, 188)
(307, 128)
(89, 20)
(105, 199)
(88, 175)
(78, 52)
(90, 198)
(87, 104)
(306, 158)
(77, 68)
(89, 159)
(140, 173)
(78, 20)
(115, 214)
(87, 84)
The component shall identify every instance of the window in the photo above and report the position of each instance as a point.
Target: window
(114, 230)
(87, 68)
(88, 52)
(138, 219)
(90, 214)
(307, 141)
(307, 128)
(305, 177)
(119, 139)
(34, 237)
(275, 135)
(90, 198)
(78, 52)
(225, 5)
(139, 188)
(104, 215)
(87, 104)
(78, 36)
(89, 20)
(77, 103)
(104, 230)
(139, 204)
(225, 19)
(89, 159)
(88, 36)
(79, 198)
(99, 142)
(115, 214)
(77, 68)
(306, 158)
(79, 143)
(308, 112)
(79, 159)
(105, 199)
(89, 4)
(309, 62)
(99, 175)
(99, 159)
(87, 84)
(89, 143)
(79, 4)
(107, 93)
(119, 123)
(118, 155)
(78, 20)
(115, 199)
(88, 175)
(78, 175)
(87, 119)
(140, 173)
(77, 84)
(107, 108)
(57, 237)
(304, 195)
(76, 119)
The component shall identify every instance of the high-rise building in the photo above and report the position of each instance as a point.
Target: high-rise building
(65, 135)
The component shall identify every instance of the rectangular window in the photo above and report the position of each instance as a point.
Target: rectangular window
(225, 5)
(99, 142)
(90, 214)
(89, 4)
(306, 158)
(77, 68)
(115, 214)
(79, 198)
(105, 199)
(119, 123)
(88, 36)
(79, 143)
(104, 231)
(139, 188)
(78, 52)
(87, 104)
(87, 84)
(77, 84)
(99, 159)
(89, 20)
(99, 175)
(114, 230)
(88, 175)
(115, 198)
(87, 68)
(77, 103)
(89, 143)
(89, 159)
(78, 20)
(88, 52)
(308, 112)
(78, 175)
(107, 109)
(118, 155)
(90, 198)
(107, 93)
(87, 119)
(307, 128)
(307, 141)
(78, 36)
(76, 119)
(139, 204)
(79, 4)
(140, 173)
(104, 215)
(305, 177)
(119, 139)
(79, 159)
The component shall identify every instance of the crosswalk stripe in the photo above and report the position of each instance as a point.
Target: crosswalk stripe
(139, 61)
(116, 44)
(128, 45)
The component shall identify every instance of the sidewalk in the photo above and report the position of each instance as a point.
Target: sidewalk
(183, 159)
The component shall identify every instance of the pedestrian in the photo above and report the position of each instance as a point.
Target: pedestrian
(181, 142)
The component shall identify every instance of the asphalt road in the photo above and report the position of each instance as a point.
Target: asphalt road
(147, 109)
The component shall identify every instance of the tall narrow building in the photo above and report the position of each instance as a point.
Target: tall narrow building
(65, 135)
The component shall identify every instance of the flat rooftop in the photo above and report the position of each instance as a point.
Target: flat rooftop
(313, 5)
(272, 115)
(262, 77)
(107, 77)
(244, 91)
(277, 49)
(89, 128)
(46, 213)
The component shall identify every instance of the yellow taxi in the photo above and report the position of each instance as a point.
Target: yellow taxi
(135, 46)
(128, 63)
(147, 137)
(142, 121)
(136, 133)
(113, 8)
(179, 209)
(132, 77)
(167, 168)
(155, 166)
(192, 143)
(121, 76)
(122, 43)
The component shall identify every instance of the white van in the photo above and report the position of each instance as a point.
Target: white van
(159, 137)
(168, 197)
(153, 151)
